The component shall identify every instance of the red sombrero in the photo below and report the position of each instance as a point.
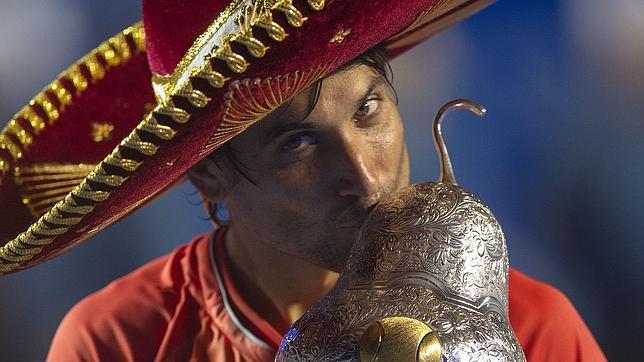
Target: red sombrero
(102, 139)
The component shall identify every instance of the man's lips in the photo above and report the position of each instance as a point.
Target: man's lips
(353, 217)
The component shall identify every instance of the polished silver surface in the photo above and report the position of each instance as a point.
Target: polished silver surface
(432, 252)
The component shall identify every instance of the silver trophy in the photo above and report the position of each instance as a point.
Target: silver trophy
(426, 280)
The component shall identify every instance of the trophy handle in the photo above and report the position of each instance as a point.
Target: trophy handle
(447, 173)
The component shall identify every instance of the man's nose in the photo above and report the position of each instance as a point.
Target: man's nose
(357, 170)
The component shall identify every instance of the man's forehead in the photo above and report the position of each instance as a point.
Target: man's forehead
(342, 88)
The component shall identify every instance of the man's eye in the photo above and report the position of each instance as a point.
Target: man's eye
(367, 108)
(298, 142)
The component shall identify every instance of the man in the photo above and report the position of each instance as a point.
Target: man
(298, 186)
(296, 202)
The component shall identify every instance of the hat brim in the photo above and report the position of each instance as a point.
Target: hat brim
(207, 101)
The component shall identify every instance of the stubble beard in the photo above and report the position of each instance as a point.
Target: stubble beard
(330, 247)
(329, 243)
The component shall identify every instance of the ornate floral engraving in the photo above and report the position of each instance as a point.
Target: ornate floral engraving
(432, 252)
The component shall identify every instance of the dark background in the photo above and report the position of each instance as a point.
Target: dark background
(558, 158)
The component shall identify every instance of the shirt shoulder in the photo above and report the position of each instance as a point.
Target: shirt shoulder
(547, 324)
(129, 318)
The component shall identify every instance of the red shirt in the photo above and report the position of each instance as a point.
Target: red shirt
(184, 306)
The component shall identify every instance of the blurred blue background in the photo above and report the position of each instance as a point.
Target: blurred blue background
(558, 157)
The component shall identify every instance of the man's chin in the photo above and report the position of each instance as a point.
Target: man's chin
(341, 248)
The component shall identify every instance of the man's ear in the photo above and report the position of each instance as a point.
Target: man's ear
(207, 178)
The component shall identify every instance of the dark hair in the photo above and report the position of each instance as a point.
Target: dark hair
(375, 58)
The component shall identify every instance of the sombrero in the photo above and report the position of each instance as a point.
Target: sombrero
(127, 120)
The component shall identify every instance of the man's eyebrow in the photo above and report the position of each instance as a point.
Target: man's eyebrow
(373, 84)
(282, 128)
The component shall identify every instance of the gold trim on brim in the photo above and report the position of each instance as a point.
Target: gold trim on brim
(45, 108)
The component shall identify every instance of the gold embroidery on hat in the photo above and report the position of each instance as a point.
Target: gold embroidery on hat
(24, 137)
(293, 16)
(234, 61)
(196, 97)
(214, 78)
(62, 94)
(177, 114)
(115, 159)
(134, 141)
(340, 36)
(102, 131)
(168, 82)
(152, 126)
(6, 143)
(40, 233)
(51, 111)
(4, 168)
(316, 5)
(265, 21)
(42, 109)
(437, 9)
(80, 82)
(95, 68)
(248, 101)
(246, 37)
(53, 222)
(43, 185)
(257, 15)
(36, 122)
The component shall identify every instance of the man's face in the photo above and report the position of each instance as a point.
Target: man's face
(318, 176)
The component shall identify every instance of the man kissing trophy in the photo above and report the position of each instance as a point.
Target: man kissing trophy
(283, 112)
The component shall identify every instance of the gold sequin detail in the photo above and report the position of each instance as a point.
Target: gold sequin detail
(316, 5)
(42, 101)
(340, 36)
(24, 137)
(62, 94)
(36, 122)
(101, 131)
(79, 80)
(4, 166)
(6, 143)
